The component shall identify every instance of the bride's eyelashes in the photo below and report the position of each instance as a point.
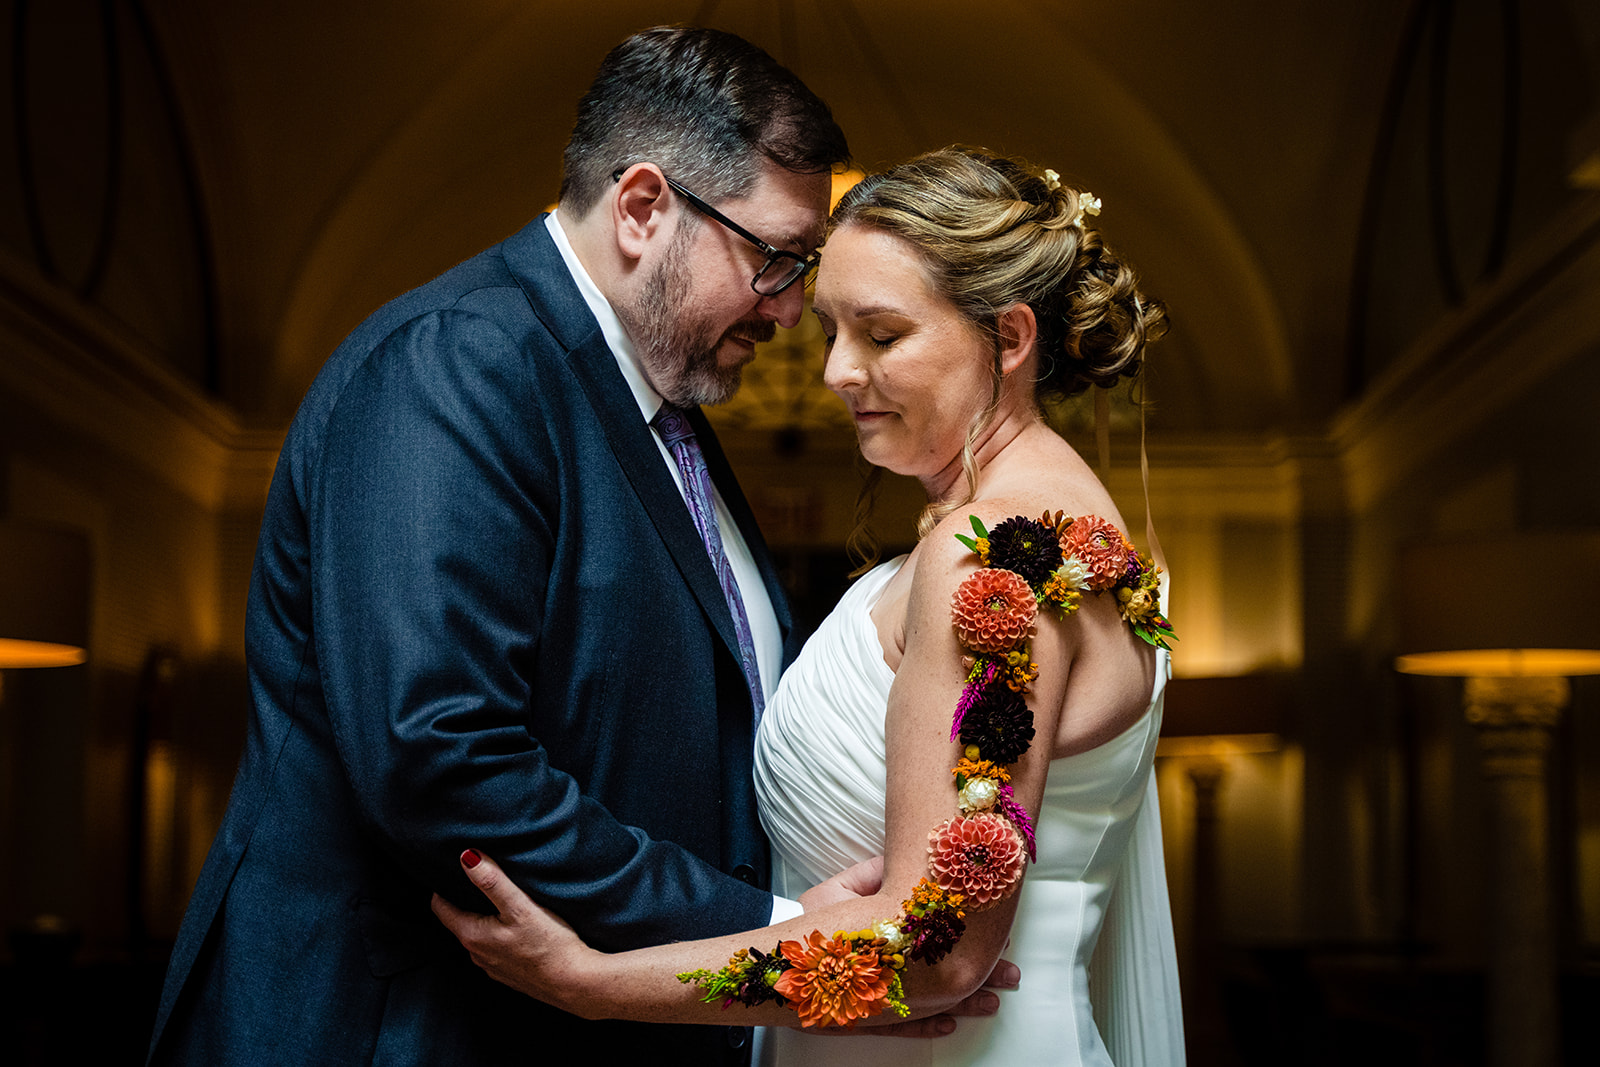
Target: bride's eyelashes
(872, 339)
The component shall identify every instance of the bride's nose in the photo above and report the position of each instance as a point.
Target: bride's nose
(841, 371)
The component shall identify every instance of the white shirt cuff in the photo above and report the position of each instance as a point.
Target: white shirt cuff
(783, 908)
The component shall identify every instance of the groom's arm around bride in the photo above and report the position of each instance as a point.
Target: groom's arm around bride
(482, 613)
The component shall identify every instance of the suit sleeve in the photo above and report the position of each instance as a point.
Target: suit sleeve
(433, 517)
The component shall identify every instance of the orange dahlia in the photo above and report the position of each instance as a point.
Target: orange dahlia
(993, 611)
(979, 856)
(1102, 550)
(833, 981)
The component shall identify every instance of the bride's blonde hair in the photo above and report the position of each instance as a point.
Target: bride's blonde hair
(993, 232)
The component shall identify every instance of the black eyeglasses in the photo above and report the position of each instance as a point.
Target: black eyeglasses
(781, 269)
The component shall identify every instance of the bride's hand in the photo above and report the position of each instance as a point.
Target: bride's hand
(862, 880)
(523, 945)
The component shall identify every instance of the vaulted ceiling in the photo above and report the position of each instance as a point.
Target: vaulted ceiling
(236, 185)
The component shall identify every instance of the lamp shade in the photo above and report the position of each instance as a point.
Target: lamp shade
(1519, 604)
(44, 595)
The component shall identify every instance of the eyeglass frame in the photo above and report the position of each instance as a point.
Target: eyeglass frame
(774, 255)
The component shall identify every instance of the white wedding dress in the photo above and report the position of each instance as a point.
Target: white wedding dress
(820, 781)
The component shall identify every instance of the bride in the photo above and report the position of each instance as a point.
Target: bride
(987, 704)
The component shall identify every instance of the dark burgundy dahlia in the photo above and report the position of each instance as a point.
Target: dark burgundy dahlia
(1027, 547)
(934, 934)
(999, 722)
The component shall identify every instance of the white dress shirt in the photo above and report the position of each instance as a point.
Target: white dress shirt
(764, 632)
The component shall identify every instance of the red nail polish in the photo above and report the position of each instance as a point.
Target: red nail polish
(470, 858)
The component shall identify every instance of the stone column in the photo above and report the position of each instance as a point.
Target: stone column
(1204, 1017)
(1514, 718)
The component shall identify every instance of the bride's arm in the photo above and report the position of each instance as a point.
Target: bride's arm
(523, 947)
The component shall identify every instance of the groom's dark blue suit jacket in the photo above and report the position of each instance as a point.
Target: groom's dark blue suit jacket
(480, 615)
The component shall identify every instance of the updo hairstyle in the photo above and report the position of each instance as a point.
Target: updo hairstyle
(992, 233)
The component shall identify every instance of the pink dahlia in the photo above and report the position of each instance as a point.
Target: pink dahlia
(979, 856)
(993, 611)
(1102, 550)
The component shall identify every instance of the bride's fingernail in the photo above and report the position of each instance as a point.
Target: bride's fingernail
(470, 858)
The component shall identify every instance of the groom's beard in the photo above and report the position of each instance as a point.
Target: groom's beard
(677, 347)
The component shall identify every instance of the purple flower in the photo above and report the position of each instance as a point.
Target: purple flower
(980, 680)
(1007, 805)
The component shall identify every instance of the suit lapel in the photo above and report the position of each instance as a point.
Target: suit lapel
(534, 260)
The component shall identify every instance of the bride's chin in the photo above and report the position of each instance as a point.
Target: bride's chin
(874, 449)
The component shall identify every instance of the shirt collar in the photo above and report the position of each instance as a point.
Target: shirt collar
(644, 394)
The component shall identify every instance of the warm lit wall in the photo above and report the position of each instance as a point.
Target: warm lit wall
(1484, 428)
(96, 436)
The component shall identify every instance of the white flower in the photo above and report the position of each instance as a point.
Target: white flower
(1052, 180)
(979, 794)
(1074, 573)
(1088, 204)
(894, 937)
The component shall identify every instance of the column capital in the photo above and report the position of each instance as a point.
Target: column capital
(1514, 718)
(1516, 702)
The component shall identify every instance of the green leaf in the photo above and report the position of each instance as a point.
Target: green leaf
(977, 526)
(969, 542)
(1155, 638)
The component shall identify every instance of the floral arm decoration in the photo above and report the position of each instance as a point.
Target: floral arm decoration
(976, 858)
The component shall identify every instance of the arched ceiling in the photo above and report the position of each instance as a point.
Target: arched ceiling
(347, 152)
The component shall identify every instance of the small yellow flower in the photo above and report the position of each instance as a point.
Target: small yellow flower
(981, 769)
(1021, 675)
(929, 894)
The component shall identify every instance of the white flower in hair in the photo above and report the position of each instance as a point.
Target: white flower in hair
(1052, 180)
(1088, 204)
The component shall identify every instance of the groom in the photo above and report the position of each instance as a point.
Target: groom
(498, 601)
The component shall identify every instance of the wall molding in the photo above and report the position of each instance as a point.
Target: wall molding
(1507, 338)
(75, 364)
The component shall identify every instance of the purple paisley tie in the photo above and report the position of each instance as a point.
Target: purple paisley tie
(675, 430)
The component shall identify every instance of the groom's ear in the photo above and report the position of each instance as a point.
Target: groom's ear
(1018, 330)
(639, 210)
